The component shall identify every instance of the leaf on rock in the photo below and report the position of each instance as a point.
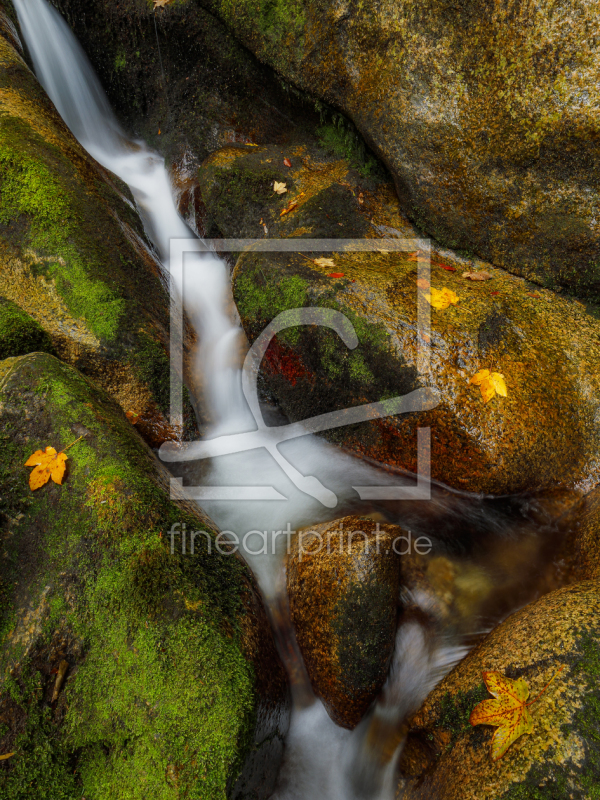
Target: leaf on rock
(324, 262)
(287, 162)
(5, 756)
(444, 266)
(490, 384)
(162, 3)
(336, 275)
(441, 298)
(48, 464)
(279, 188)
(423, 283)
(482, 275)
(507, 711)
(290, 207)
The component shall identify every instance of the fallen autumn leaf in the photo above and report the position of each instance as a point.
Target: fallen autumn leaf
(508, 710)
(482, 275)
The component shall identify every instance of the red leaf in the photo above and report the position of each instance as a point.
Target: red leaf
(494, 292)
(444, 266)
(336, 274)
(287, 162)
(534, 294)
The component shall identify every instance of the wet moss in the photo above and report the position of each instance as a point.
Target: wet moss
(363, 622)
(19, 333)
(163, 685)
(455, 710)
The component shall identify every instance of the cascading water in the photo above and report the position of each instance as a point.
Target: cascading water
(322, 760)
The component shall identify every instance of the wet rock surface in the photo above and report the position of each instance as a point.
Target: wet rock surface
(74, 258)
(177, 77)
(483, 114)
(543, 434)
(343, 581)
(446, 757)
(172, 683)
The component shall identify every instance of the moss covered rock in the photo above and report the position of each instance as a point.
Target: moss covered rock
(446, 758)
(484, 114)
(544, 433)
(173, 687)
(343, 581)
(73, 253)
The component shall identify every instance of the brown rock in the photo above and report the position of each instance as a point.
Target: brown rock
(446, 758)
(545, 432)
(343, 582)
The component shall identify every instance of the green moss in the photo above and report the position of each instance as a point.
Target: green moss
(260, 300)
(164, 687)
(40, 768)
(277, 19)
(364, 621)
(455, 710)
(32, 191)
(19, 333)
(340, 137)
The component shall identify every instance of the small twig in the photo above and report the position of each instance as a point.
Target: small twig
(545, 687)
(71, 445)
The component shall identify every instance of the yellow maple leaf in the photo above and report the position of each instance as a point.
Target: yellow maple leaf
(507, 711)
(441, 298)
(324, 262)
(279, 187)
(48, 464)
(490, 384)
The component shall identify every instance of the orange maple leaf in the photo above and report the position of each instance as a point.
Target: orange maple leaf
(48, 464)
(508, 710)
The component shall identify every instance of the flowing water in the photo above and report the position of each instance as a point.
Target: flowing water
(322, 760)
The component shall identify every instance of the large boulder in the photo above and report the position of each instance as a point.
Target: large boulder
(74, 255)
(486, 115)
(128, 668)
(544, 433)
(445, 757)
(343, 581)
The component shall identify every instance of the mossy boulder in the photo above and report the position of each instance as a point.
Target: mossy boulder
(544, 433)
(445, 757)
(343, 581)
(173, 687)
(486, 116)
(74, 256)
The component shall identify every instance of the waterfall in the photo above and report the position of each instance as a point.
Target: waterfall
(321, 758)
